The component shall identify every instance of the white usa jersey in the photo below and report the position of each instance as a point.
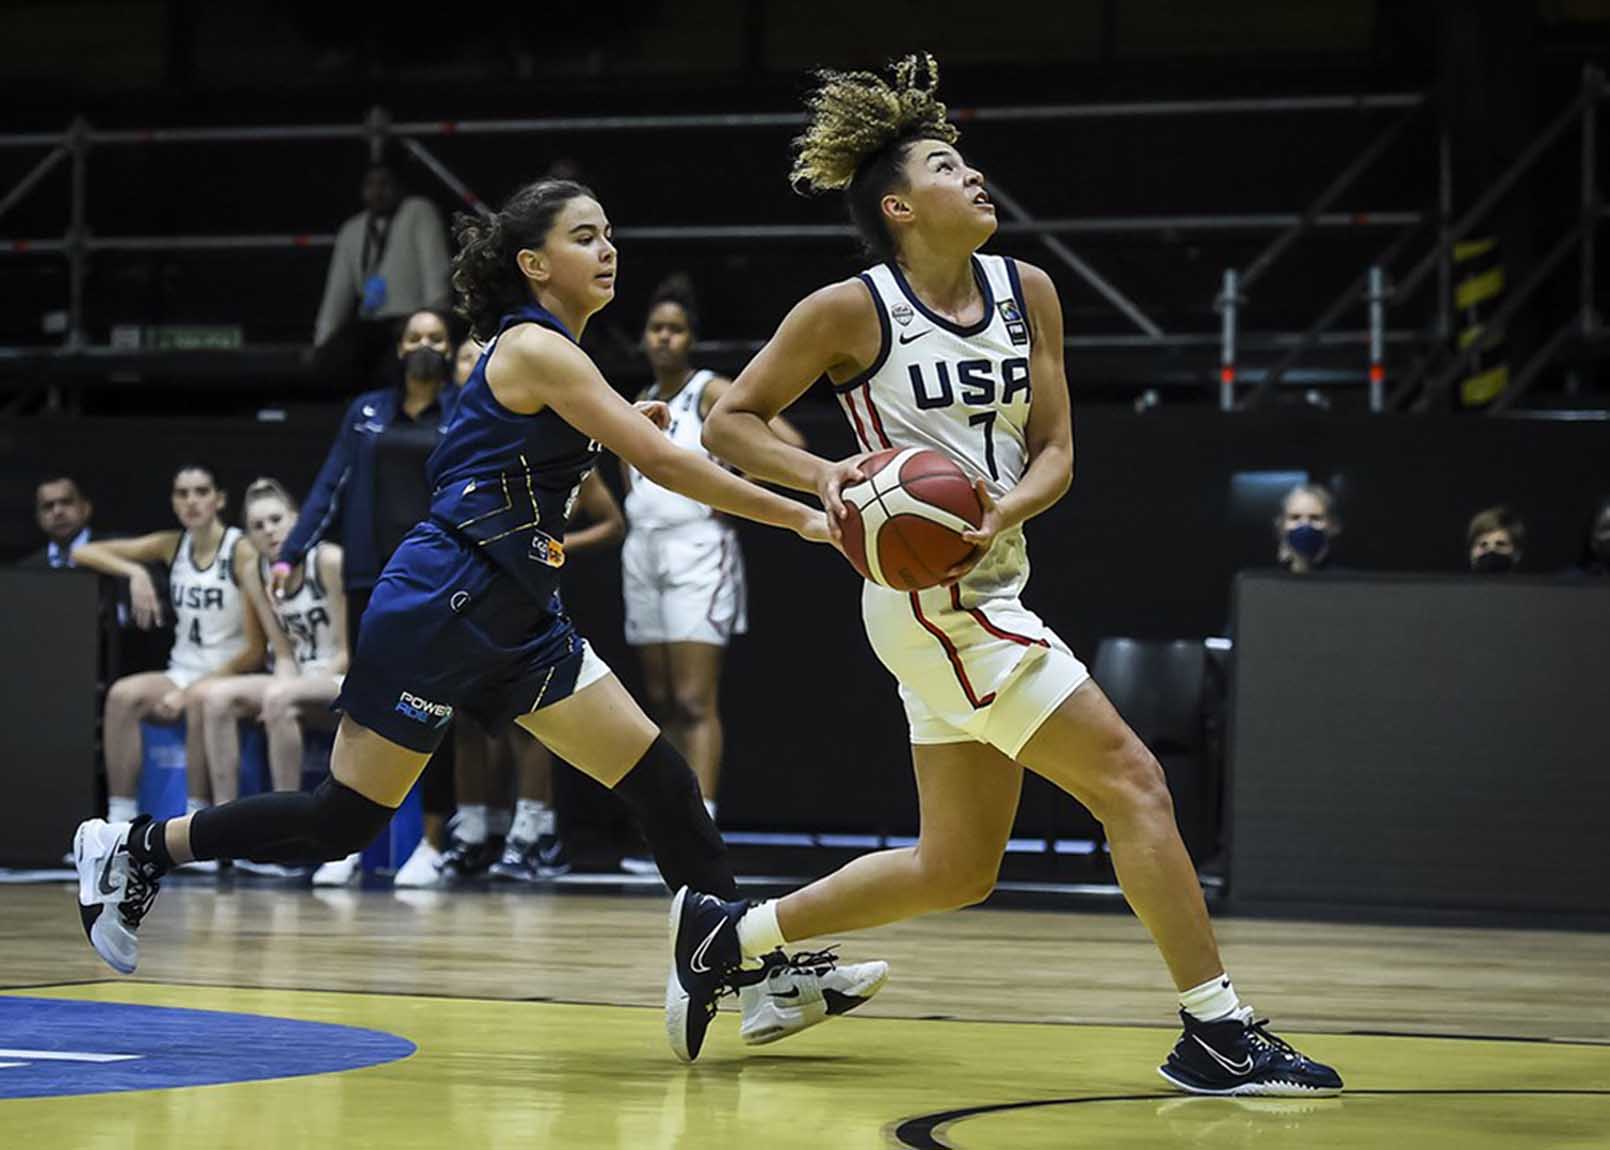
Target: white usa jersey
(207, 625)
(963, 390)
(974, 664)
(305, 616)
(647, 503)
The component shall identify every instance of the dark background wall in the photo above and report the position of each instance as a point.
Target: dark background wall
(1413, 743)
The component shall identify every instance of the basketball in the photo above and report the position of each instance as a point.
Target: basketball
(905, 519)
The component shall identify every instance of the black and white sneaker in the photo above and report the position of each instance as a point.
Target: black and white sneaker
(704, 957)
(1238, 1056)
(518, 863)
(464, 863)
(111, 880)
(795, 992)
(553, 859)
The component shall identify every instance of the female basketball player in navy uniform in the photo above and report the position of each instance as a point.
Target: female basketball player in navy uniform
(467, 613)
(306, 628)
(215, 635)
(682, 572)
(940, 346)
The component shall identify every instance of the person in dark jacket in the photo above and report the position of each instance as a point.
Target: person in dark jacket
(350, 487)
(63, 515)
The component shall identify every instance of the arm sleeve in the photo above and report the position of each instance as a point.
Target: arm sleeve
(324, 501)
(340, 292)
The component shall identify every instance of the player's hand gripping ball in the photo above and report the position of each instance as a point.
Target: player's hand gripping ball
(904, 522)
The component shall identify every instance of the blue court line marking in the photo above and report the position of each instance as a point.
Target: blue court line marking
(51, 1047)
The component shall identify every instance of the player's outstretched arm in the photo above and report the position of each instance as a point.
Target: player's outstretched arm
(533, 368)
(833, 331)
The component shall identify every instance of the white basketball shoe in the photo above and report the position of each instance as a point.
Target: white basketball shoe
(337, 872)
(796, 992)
(114, 890)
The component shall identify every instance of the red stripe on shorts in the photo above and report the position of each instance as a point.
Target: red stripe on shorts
(952, 654)
(1023, 640)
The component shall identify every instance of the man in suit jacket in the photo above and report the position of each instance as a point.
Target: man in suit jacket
(63, 514)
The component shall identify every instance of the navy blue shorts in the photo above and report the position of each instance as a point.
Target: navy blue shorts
(447, 629)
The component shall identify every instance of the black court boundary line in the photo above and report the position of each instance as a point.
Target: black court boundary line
(923, 1131)
(1592, 1043)
(59, 982)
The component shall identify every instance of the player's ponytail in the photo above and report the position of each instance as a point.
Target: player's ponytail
(860, 125)
(487, 278)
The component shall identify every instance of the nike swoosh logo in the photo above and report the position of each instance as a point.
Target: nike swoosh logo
(1241, 1069)
(107, 885)
(698, 963)
(786, 993)
(913, 338)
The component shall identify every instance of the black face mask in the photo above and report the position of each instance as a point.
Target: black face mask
(425, 364)
(1493, 563)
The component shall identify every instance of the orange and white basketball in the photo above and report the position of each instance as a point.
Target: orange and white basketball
(906, 518)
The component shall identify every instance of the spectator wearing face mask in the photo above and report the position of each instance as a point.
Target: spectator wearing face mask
(1595, 560)
(349, 485)
(1496, 538)
(1306, 528)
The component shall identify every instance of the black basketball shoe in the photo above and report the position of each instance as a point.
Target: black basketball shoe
(704, 958)
(1239, 1056)
(463, 863)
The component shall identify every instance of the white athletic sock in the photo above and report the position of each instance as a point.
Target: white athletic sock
(710, 805)
(192, 805)
(1213, 1001)
(532, 819)
(758, 932)
(471, 826)
(122, 809)
(499, 821)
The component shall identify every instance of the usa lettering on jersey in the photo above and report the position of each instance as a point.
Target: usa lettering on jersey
(964, 390)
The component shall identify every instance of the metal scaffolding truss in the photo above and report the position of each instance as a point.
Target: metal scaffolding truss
(1371, 288)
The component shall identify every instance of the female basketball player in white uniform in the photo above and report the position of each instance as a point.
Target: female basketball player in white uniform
(938, 346)
(682, 574)
(214, 635)
(306, 628)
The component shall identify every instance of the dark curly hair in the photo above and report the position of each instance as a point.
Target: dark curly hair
(488, 281)
(677, 288)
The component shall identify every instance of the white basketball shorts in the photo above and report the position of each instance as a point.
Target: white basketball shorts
(683, 584)
(984, 671)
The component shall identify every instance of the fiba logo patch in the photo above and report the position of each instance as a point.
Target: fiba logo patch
(423, 710)
(1016, 328)
(459, 601)
(902, 314)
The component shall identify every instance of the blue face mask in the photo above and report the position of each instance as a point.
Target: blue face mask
(1307, 540)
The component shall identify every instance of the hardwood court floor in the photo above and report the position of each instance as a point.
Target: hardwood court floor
(536, 1021)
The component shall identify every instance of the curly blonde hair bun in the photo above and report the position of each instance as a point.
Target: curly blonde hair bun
(857, 115)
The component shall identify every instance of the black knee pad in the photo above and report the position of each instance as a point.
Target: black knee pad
(663, 793)
(345, 822)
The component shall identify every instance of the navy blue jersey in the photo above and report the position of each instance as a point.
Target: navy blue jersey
(503, 481)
